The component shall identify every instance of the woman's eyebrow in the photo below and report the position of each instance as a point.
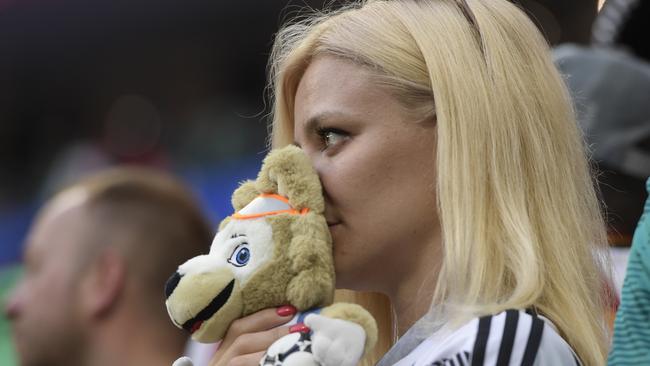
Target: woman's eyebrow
(315, 121)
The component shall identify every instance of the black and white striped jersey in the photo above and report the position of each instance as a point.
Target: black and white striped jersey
(513, 337)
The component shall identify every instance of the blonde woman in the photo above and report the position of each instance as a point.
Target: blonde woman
(455, 180)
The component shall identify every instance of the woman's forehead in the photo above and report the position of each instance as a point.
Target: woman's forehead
(333, 88)
(328, 69)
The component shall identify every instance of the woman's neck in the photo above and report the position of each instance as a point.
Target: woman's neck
(413, 291)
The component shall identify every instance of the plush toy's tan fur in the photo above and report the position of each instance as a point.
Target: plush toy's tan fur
(302, 272)
(293, 178)
(245, 193)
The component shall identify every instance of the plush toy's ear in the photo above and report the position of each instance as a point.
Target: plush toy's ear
(244, 194)
(289, 172)
(224, 222)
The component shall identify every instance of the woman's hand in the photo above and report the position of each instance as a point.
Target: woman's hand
(248, 338)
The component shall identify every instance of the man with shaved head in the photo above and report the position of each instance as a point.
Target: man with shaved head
(96, 261)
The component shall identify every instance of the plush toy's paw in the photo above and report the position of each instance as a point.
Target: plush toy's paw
(291, 350)
(336, 342)
(183, 361)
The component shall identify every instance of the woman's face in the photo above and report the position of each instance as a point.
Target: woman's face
(377, 168)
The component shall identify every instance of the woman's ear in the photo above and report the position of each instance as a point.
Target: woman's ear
(103, 283)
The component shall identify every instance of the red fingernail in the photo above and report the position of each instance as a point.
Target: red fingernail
(286, 310)
(299, 328)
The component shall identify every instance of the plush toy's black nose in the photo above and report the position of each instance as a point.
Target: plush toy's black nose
(171, 284)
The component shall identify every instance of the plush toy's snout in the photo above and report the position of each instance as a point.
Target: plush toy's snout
(194, 324)
(171, 284)
(215, 301)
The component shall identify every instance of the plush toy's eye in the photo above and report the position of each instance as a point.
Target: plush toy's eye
(240, 256)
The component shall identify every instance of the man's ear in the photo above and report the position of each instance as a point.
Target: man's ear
(103, 283)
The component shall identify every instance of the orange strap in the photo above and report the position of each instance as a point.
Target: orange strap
(291, 211)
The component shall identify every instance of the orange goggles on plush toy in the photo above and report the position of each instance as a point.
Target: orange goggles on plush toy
(267, 204)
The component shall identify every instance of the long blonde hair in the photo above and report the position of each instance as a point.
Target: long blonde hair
(520, 219)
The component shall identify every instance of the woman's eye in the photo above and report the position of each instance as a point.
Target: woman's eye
(332, 137)
(240, 256)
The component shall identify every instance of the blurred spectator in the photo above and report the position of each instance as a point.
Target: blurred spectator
(623, 24)
(631, 345)
(96, 261)
(611, 89)
(8, 278)
(610, 84)
(130, 134)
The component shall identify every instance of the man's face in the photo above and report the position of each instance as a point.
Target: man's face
(44, 308)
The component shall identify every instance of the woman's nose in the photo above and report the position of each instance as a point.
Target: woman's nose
(318, 163)
(314, 158)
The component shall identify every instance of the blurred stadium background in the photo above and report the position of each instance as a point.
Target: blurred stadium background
(177, 85)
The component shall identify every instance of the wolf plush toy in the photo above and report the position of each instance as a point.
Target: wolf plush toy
(274, 250)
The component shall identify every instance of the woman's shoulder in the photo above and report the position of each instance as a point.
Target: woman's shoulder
(512, 337)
